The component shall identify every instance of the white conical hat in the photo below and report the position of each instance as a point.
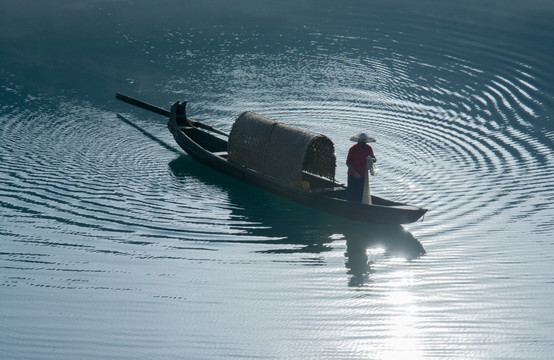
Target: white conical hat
(363, 138)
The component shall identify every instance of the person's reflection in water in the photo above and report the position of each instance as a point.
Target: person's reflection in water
(357, 263)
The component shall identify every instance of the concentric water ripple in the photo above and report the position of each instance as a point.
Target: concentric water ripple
(456, 136)
(114, 244)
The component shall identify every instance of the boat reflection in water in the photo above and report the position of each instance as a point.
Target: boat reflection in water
(290, 228)
(393, 240)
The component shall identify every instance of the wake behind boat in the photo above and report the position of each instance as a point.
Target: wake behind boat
(294, 163)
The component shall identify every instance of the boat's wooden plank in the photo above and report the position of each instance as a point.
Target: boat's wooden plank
(328, 189)
(404, 207)
(182, 127)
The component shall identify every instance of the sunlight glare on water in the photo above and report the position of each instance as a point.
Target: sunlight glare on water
(115, 244)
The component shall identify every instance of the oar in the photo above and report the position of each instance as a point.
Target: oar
(141, 104)
(157, 110)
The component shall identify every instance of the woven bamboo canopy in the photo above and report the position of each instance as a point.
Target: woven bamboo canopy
(279, 150)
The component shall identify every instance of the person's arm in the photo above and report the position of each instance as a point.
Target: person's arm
(372, 154)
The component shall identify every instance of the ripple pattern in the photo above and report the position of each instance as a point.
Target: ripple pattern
(115, 246)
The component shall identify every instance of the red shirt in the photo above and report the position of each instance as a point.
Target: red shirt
(357, 158)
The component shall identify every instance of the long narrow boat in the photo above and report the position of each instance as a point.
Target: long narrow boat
(291, 162)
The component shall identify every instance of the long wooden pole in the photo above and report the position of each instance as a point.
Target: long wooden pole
(141, 104)
(158, 110)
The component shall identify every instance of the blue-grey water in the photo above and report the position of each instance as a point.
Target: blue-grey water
(113, 246)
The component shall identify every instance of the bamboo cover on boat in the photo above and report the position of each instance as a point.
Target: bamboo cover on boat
(280, 150)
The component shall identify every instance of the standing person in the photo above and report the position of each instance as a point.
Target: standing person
(357, 165)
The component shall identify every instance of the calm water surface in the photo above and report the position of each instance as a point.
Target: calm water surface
(115, 246)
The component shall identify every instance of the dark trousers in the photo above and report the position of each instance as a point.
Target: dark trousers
(355, 188)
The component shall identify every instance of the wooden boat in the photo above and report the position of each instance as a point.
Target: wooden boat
(290, 162)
